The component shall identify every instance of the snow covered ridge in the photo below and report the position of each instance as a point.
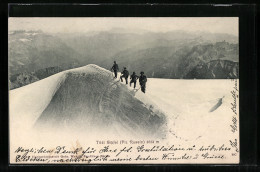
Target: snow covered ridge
(87, 99)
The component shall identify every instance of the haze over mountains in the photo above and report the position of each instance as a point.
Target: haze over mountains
(34, 55)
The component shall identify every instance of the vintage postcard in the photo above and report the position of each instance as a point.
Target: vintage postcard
(115, 90)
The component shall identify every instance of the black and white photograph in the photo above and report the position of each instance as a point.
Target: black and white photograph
(123, 90)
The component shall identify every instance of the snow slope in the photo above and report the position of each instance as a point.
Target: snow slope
(84, 99)
(87, 100)
(196, 109)
(78, 107)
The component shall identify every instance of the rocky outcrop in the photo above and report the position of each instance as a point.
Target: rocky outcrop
(22, 79)
(216, 69)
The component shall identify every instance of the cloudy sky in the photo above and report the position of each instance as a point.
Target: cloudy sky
(155, 24)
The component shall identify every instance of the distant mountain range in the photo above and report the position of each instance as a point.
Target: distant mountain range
(175, 54)
(34, 50)
(177, 62)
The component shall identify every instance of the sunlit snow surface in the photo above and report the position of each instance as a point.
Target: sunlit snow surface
(185, 104)
(188, 104)
(85, 100)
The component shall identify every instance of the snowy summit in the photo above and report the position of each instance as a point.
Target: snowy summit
(86, 98)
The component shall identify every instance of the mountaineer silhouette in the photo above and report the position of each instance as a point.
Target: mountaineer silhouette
(133, 78)
(115, 68)
(142, 81)
(125, 75)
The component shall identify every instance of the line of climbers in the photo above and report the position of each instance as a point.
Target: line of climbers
(142, 78)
